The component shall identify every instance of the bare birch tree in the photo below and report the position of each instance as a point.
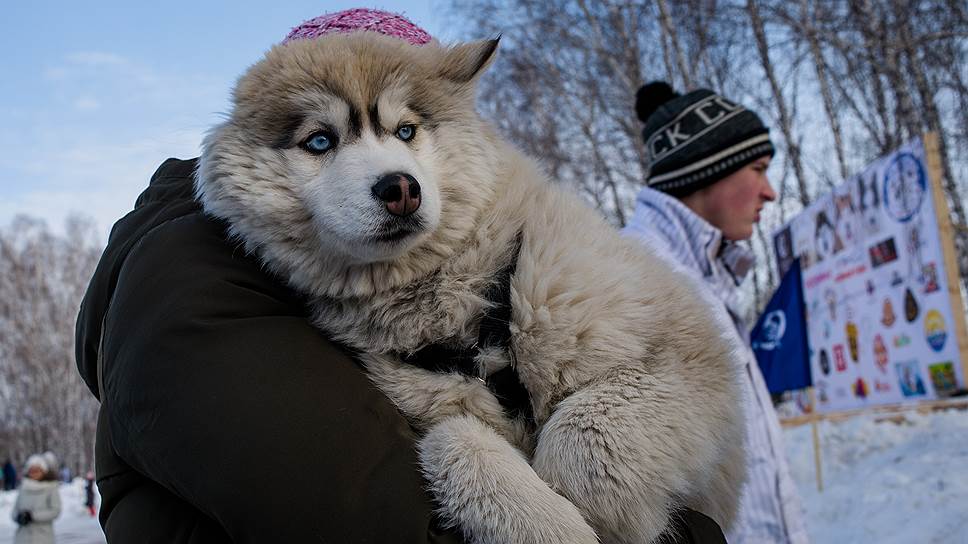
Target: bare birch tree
(841, 82)
(44, 405)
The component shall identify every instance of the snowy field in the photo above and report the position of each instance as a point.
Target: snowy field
(885, 482)
(902, 481)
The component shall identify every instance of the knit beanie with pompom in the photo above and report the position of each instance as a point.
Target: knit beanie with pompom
(697, 139)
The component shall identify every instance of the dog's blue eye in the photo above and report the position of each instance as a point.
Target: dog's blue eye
(406, 132)
(319, 142)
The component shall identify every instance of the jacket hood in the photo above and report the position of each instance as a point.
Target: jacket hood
(169, 196)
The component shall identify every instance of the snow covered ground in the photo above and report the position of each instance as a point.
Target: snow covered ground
(884, 482)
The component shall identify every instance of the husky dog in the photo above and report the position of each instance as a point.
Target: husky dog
(356, 167)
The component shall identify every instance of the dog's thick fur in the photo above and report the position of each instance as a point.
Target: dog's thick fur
(632, 373)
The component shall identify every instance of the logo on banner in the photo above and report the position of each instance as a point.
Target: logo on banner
(934, 330)
(840, 358)
(831, 297)
(881, 387)
(943, 378)
(869, 201)
(883, 252)
(909, 378)
(930, 274)
(901, 340)
(887, 315)
(822, 391)
(880, 353)
(904, 187)
(852, 341)
(774, 325)
(828, 241)
(911, 308)
(860, 389)
(824, 362)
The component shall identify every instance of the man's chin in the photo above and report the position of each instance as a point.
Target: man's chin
(739, 234)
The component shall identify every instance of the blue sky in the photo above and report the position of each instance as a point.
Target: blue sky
(96, 94)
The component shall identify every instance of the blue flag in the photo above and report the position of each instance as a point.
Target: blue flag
(779, 338)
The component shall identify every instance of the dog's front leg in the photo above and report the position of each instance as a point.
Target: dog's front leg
(631, 448)
(486, 487)
(427, 397)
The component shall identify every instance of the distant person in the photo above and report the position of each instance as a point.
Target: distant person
(89, 493)
(37, 506)
(705, 187)
(9, 475)
(65, 474)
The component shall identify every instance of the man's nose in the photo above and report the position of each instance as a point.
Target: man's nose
(768, 193)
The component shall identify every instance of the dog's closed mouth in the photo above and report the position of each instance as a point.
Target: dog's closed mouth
(395, 235)
(398, 230)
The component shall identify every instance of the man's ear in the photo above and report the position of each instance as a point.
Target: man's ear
(465, 62)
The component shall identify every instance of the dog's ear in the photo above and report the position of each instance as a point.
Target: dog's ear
(464, 62)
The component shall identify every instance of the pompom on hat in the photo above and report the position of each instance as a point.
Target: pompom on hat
(696, 139)
(361, 19)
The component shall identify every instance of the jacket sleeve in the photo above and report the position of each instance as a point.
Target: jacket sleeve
(51, 508)
(216, 387)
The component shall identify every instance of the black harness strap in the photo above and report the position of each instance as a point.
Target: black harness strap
(495, 332)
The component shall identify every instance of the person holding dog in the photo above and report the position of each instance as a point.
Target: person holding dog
(706, 185)
(208, 368)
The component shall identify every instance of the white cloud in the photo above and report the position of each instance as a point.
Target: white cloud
(81, 63)
(86, 103)
(96, 58)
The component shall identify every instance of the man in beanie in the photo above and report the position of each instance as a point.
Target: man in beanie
(705, 187)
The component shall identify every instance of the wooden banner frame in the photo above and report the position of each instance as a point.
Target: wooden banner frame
(946, 232)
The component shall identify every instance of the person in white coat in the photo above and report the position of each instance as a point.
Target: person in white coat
(705, 188)
(37, 506)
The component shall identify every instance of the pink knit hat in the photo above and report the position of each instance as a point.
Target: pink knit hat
(352, 20)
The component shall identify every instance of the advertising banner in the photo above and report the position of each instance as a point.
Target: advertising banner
(878, 300)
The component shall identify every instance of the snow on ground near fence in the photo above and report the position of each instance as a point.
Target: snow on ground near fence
(884, 482)
(74, 526)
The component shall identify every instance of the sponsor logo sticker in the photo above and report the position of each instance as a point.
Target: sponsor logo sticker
(909, 378)
(934, 330)
(880, 353)
(943, 378)
(840, 358)
(887, 314)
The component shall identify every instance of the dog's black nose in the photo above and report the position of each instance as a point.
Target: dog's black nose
(400, 192)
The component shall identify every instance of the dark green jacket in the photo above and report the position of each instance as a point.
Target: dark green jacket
(225, 416)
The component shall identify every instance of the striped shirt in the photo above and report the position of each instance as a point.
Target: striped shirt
(770, 508)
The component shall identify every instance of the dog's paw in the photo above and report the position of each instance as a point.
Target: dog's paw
(486, 487)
